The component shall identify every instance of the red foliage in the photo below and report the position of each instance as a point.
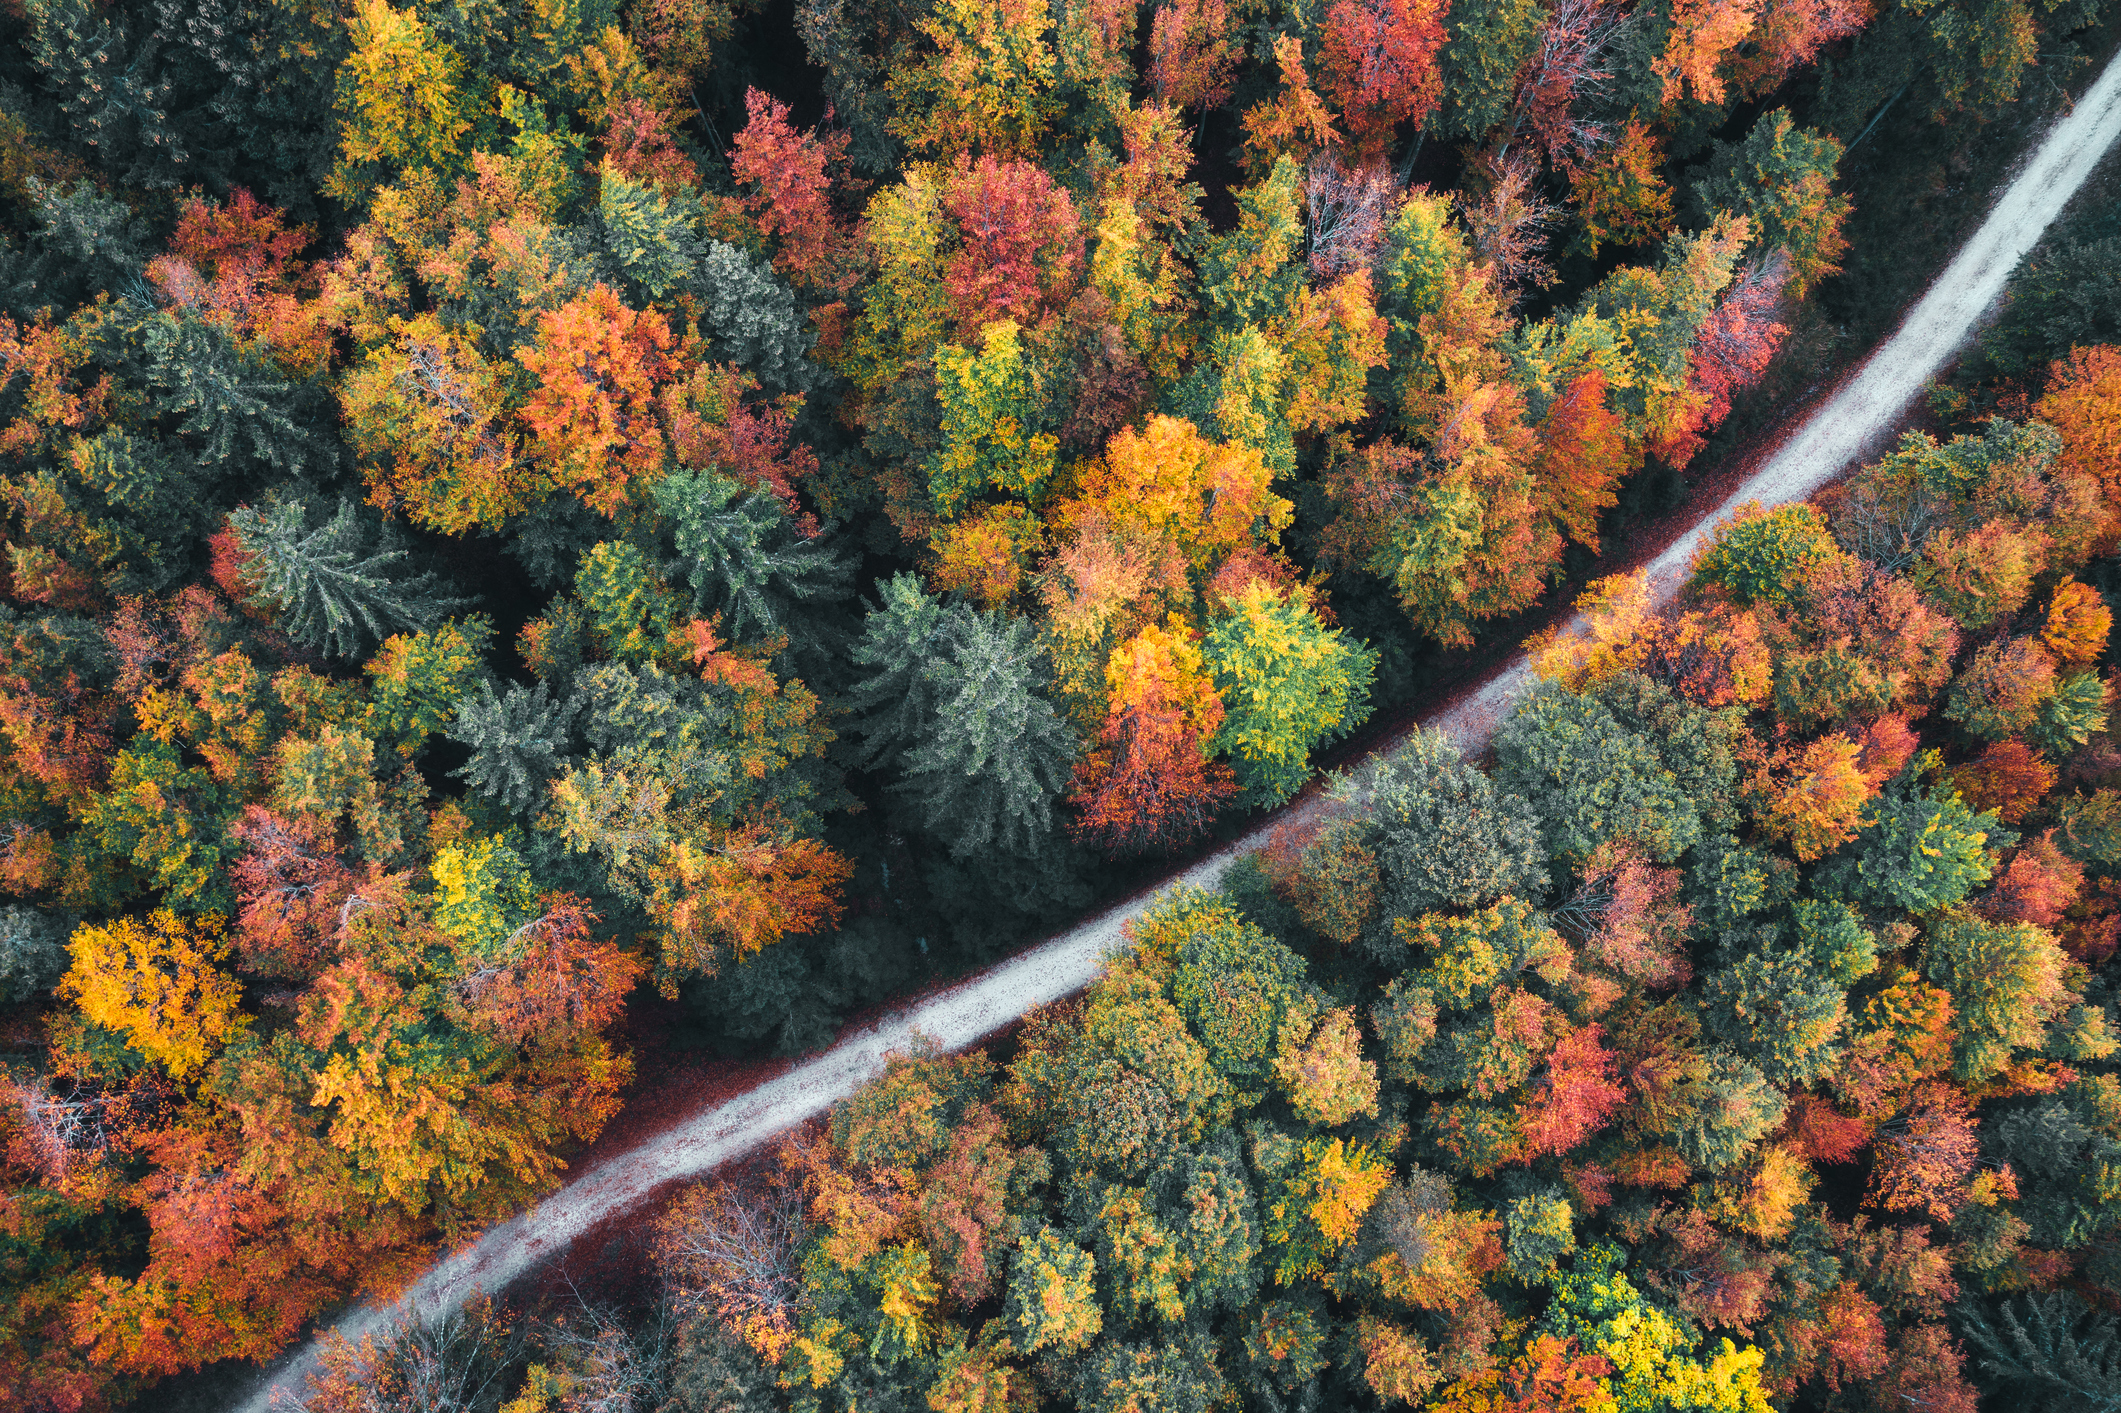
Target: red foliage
(2036, 886)
(1924, 1156)
(2009, 777)
(1022, 242)
(1640, 932)
(1191, 56)
(1925, 1374)
(638, 143)
(1583, 456)
(1379, 62)
(788, 189)
(712, 425)
(1147, 785)
(290, 883)
(1578, 1096)
(1847, 1338)
(1888, 744)
(1819, 1133)
(565, 980)
(1735, 342)
(234, 263)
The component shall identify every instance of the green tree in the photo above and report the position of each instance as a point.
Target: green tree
(1780, 1012)
(742, 557)
(1444, 835)
(1592, 780)
(2066, 1146)
(2006, 981)
(517, 742)
(751, 313)
(1779, 178)
(1490, 40)
(1288, 684)
(1920, 849)
(419, 678)
(332, 588)
(1052, 1298)
(32, 953)
(995, 426)
(2070, 715)
(952, 704)
(1764, 557)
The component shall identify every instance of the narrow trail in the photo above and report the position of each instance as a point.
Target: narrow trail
(1866, 408)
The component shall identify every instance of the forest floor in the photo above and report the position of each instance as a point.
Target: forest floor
(699, 1120)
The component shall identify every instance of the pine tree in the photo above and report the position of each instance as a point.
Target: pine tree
(752, 314)
(2069, 1354)
(952, 703)
(332, 588)
(516, 740)
(740, 554)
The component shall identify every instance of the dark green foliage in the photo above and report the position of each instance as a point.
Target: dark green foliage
(33, 953)
(1920, 849)
(1176, 1374)
(2061, 297)
(752, 313)
(2051, 1348)
(1781, 1013)
(2066, 1145)
(742, 557)
(711, 1371)
(952, 705)
(517, 742)
(230, 402)
(1444, 836)
(84, 241)
(1490, 40)
(1590, 779)
(333, 588)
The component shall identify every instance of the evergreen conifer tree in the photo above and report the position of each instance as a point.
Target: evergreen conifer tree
(951, 703)
(516, 740)
(331, 588)
(742, 558)
(753, 317)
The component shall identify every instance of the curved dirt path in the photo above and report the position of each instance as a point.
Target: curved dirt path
(1865, 409)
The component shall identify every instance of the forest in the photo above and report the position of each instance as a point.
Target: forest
(533, 524)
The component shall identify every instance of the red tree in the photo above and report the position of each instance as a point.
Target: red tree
(1379, 62)
(1022, 242)
(2009, 777)
(290, 883)
(788, 189)
(565, 980)
(1735, 342)
(1583, 455)
(2036, 886)
(1191, 56)
(1578, 1096)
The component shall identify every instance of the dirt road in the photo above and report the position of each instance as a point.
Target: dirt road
(1863, 411)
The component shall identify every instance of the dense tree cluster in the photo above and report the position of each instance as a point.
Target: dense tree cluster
(513, 509)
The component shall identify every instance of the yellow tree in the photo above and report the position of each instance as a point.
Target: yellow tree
(399, 99)
(158, 982)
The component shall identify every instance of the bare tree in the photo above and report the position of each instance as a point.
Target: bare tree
(1348, 210)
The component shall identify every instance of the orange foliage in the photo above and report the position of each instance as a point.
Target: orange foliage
(2078, 622)
(2009, 777)
(1149, 783)
(1926, 1153)
(1703, 34)
(1578, 1098)
(1379, 59)
(1583, 455)
(2036, 886)
(2083, 402)
(1818, 804)
(600, 367)
(1296, 122)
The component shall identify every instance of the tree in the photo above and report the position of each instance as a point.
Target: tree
(2058, 1347)
(1052, 1301)
(1209, 500)
(1492, 43)
(1378, 61)
(516, 740)
(33, 954)
(1446, 837)
(951, 704)
(1924, 1155)
(1920, 849)
(1327, 1080)
(1620, 196)
(753, 318)
(331, 588)
(1190, 53)
(418, 679)
(1779, 179)
(1149, 783)
(159, 983)
(790, 189)
(400, 92)
(994, 422)
(425, 412)
(1766, 556)
(2078, 623)
(1702, 33)
(2008, 778)
(459, 1358)
(1288, 684)
(1584, 455)
(988, 84)
(1592, 780)
(600, 367)
(1818, 806)
(744, 560)
(2006, 983)
(1999, 692)
(1737, 342)
(2081, 402)
(1781, 1012)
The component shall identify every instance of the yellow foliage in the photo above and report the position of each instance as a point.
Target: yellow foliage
(1205, 498)
(1603, 637)
(157, 981)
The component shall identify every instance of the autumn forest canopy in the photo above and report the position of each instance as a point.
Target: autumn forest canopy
(535, 528)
